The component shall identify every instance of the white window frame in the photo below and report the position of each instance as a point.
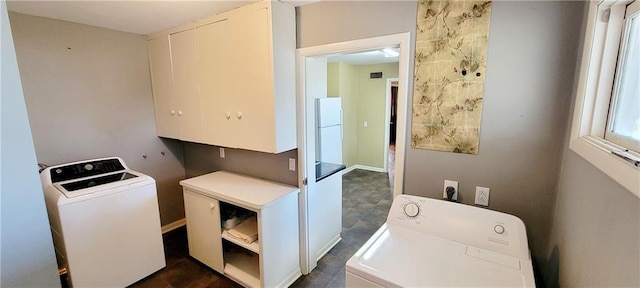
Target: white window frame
(632, 144)
(595, 86)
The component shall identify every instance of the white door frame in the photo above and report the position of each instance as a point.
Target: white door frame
(387, 119)
(305, 159)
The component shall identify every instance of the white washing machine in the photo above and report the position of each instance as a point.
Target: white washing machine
(433, 243)
(105, 222)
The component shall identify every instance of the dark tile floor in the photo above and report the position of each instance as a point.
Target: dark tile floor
(366, 199)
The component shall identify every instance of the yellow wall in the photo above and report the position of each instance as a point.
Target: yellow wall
(363, 99)
(372, 109)
(333, 76)
(349, 93)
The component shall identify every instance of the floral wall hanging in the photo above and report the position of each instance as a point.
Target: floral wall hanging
(450, 65)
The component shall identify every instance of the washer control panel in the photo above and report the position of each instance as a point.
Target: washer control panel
(408, 210)
(85, 169)
(411, 209)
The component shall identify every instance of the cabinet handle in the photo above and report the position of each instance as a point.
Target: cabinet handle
(212, 206)
(172, 112)
(239, 115)
(228, 116)
(179, 113)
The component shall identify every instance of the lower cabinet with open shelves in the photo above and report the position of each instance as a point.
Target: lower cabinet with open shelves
(242, 266)
(224, 209)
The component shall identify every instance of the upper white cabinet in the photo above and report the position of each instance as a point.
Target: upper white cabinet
(214, 64)
(261, 77)
(162, 86)
(241, 66)
(185, 86)
(178, 105)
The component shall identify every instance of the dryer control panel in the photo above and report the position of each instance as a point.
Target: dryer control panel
(471, 225)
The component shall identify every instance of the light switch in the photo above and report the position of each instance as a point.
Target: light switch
(292, 164)
(365, 124)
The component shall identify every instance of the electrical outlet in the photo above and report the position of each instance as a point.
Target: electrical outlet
(292, 164)
(221, 152)
(482, 196)
(453, 184)
(365, 124)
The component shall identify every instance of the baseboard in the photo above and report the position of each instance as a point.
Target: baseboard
(349, 169)
(363, 167)
(290, 279)
(324, 250)
(174, 225)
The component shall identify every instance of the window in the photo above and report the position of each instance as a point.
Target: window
(623, 127)
(606, 124)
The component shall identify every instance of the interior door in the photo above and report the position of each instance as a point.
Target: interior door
(316, 87)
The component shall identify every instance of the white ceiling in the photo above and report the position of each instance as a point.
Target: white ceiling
(364, 58)
(139, 17)
(149, 16)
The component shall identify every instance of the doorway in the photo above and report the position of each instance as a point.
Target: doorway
(392, 120)
(361, 83)
(307, 82)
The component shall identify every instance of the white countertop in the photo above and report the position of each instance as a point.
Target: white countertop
(246, 191)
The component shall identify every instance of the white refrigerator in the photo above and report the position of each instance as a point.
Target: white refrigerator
(329, 130)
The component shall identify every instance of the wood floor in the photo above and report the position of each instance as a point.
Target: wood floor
(366, 199)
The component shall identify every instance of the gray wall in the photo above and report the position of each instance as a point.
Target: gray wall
(27, 253)
(88, 95)
(338, 21)
(201, 159)
(595, 240)
(596, 230)
(531, 61)
(530, 70)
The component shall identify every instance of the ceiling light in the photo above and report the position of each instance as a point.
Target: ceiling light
(388, 52)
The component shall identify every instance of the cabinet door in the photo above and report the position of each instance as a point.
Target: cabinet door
(162, 85)
(185, 86)
(203, 229)
(254, 82)
(215, 66)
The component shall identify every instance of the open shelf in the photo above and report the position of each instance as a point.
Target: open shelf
(253, 246)
(243, 267)
(244, 263)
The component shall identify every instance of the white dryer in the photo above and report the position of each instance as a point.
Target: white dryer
(105, 222)
(433, 243)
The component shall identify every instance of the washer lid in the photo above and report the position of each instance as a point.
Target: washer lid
(396, 256)
(100, 180)
(90, 185)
